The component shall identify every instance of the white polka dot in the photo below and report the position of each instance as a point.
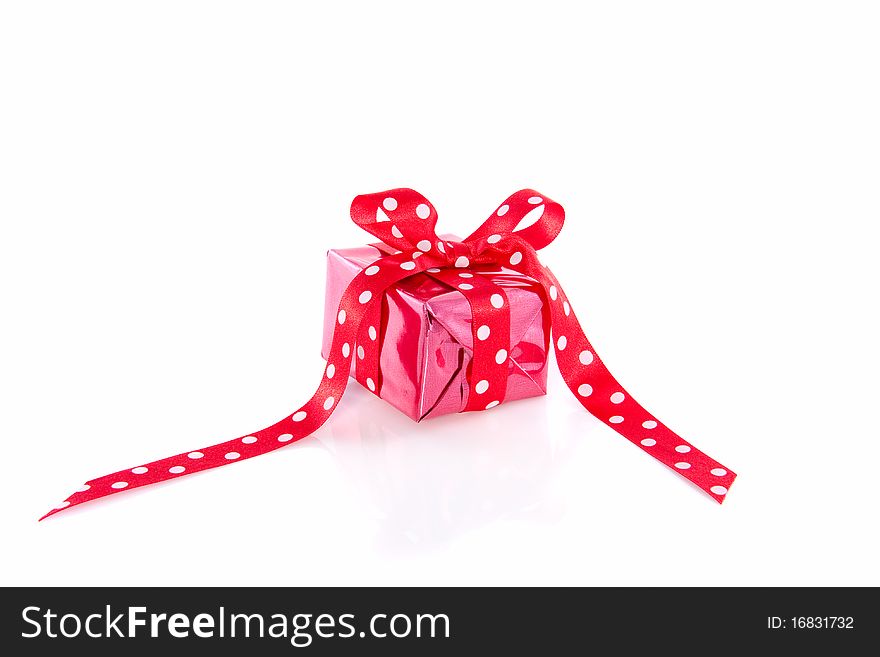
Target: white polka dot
(408, 265)
(177, 469)
(328, 403)
(372, 332)
(481, 387)
(649, 424)
(63, 505)
(360, 351)
(466, 286)
(516, 258)
(231, 456)
(617, 397)
(682, 449)
(119, 484)
(682, 465)
(423, 212)
(424, 245)
(249, 440)
(285, 438)
(465, 274)
(140, 470)
(462, 262)
(441, 248)
(346, 349)
(83, 488)
(492, 404)
(503, 210)
(501, 356)
(718, 472)
(586, 357)
(649, 442)
(553, 292)
(396, 232)
(615, 419)
(434, 270)
(566, 308)
(417, 254)
(719, 490)
(496, 300)
(494, 239)
(331, 370)
(390, 204)
(371, 270)
(371, 385)
(585, 390)
(299, 416)
(341, 317)
(195, 455)
(562, 342)
(534, 200)
(483, 332)
(365, 296)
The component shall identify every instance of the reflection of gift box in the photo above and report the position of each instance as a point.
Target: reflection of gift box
(425, 334)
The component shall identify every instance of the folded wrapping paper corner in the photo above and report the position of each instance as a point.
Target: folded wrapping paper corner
(404, 220)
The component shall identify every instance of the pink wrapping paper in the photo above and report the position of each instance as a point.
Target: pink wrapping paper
(426, 337)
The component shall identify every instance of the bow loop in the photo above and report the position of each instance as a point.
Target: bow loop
(405, 220)
(402, 218)
(543, 216)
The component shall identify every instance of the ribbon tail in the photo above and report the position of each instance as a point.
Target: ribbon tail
(601, 394)
(278, 435)
(359, 297)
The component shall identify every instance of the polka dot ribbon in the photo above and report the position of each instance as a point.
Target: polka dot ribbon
(404, 220)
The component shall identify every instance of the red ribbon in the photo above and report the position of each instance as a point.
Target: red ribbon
(404, 220)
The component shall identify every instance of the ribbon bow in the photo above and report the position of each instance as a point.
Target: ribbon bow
(404, 220)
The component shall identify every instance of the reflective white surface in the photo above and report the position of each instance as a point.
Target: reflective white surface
(434, 482)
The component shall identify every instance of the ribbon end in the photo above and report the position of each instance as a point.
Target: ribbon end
(719, 493)
(64, 505)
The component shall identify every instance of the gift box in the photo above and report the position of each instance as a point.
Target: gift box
(434, 324)
(426, 338)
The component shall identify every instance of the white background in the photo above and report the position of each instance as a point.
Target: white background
(172, 173)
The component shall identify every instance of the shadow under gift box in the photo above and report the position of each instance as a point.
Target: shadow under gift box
(426, 341)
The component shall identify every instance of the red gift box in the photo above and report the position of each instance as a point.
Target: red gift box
(426, 339)
(438, 325)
